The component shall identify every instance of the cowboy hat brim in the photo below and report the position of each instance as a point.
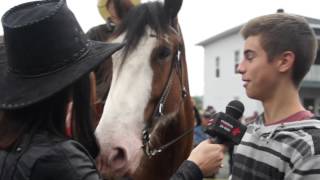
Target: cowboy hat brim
(18, 92)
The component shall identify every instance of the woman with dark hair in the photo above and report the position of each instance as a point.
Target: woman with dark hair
(45, 65)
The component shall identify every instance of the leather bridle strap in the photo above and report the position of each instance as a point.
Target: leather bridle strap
(158, 112)
(152, 152)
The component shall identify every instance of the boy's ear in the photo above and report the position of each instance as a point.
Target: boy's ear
(286, 61)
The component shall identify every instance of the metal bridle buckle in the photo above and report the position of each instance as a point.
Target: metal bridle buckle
(161, 109)
(178, 55)
(147, 146)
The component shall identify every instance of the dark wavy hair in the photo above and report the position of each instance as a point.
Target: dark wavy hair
(49, 115)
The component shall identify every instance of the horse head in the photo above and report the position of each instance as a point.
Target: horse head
(143, 132)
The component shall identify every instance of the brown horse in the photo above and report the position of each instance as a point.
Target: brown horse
(145, 129)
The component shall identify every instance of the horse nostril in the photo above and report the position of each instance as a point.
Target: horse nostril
(118, 158)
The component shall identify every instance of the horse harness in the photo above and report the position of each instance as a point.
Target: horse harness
(176, 67)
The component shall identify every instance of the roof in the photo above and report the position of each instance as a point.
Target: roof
(312, 21)
(220, 36)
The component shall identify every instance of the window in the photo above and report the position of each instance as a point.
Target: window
(217, 67)
(236, 60)
(317, 58)
(317, 31)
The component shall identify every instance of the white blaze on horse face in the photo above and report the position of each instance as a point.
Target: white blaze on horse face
(122, 120)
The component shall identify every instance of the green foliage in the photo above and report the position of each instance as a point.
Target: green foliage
(199, 101)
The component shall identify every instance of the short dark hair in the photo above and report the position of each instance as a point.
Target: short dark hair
(282, 32)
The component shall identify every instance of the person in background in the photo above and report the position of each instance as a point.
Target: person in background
(310, 108)
(196, 113)
(283, 143)
(250, 119)
(199, 134)
(112, 12)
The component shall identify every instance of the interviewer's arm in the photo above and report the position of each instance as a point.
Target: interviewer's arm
(204, 161)
(188, 171)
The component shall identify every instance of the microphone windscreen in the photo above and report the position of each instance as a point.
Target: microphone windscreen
(235, 109)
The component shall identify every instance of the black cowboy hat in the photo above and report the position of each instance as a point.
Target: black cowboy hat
(45, 51)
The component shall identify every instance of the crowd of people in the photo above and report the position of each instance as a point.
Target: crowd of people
(282, 143)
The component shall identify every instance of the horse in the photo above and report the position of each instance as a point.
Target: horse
(145, 131)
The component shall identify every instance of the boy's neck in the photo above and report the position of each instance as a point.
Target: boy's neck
(282, 105)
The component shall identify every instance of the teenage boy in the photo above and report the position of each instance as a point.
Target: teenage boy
(284, 142)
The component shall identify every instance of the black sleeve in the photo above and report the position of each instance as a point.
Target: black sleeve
(67, 161)
(99, 33)
(188, 171)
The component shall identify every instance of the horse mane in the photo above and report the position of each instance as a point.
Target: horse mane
(135, 23)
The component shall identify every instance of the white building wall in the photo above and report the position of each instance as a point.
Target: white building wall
(218, 92)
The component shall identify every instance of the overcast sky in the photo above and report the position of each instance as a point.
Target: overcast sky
(199, 19)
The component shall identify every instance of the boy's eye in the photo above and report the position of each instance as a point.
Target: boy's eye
(249, 55)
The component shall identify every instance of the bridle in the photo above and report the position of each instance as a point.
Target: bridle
(158, 113)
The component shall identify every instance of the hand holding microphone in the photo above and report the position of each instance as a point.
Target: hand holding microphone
(225, 128)
(208, 157)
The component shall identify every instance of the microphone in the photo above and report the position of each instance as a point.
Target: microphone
(226, 127)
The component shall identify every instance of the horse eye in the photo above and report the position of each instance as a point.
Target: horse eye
(164, 52)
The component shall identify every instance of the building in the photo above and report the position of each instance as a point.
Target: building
(222, 54)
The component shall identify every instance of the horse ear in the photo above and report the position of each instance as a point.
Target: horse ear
(172, 7)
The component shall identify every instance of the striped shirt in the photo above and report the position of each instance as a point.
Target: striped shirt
(285, 151)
